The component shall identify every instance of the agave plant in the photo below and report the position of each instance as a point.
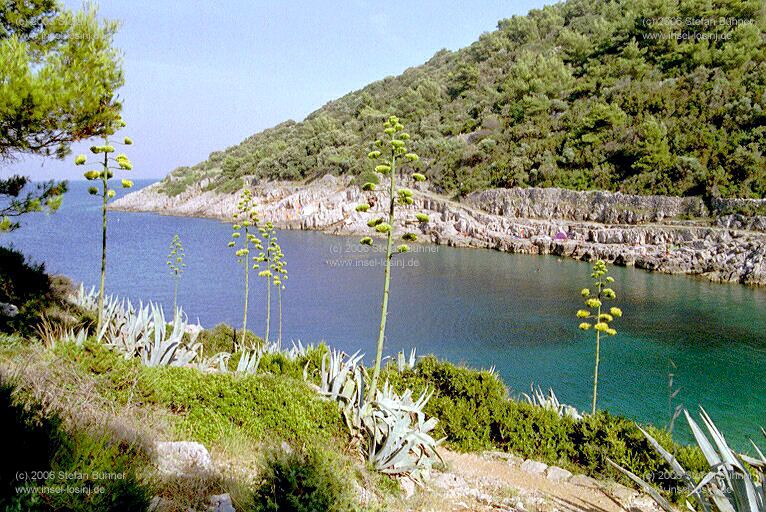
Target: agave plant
(729, 486)
(392, 147)
(87, 300)
(218, 363)
(551, 402)
(597, 317)
(133, 332)
(107, 166)
(298, 350)
(398, 435)
(168, 349)
(391, 431)
(335, 373)
(249, 362)
(403, 363)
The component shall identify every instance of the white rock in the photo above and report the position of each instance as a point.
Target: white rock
(178, 458)
(221, 503)
(8, 309)
(534, 467)
(557, 474)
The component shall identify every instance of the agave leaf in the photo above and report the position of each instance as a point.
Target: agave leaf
(651, 491)
(707, 449)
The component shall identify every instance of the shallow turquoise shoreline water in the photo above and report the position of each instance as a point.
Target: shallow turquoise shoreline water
(480, 307)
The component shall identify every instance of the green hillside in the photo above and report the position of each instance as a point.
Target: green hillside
(585, 94)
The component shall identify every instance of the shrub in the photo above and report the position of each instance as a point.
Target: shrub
(211, 406)
(263, 406)
(366, 176)
(475, 412)
(464, 400)
(304, 481)
(222, 338)
(27, 286)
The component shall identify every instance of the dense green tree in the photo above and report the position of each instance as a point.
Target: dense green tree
(58, 77)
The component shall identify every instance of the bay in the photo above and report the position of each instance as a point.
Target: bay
(479, 307)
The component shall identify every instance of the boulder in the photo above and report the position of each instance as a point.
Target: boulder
(221, 503)
(534, 467)
(8, 310)
(179, 458)
(557, 474)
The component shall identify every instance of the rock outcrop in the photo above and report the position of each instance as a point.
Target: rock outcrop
(664, 234)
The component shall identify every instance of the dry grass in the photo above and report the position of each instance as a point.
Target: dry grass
(60, 388)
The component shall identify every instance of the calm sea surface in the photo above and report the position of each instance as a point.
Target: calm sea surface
(480, 307)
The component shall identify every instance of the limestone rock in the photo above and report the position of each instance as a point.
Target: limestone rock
(534, 467)
(221, 503)
(650, 232)
(584, 481)
(8, 310)
(178, 458)
(557, 474)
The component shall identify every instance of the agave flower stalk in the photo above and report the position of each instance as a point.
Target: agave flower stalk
(394, 144)
(278, 280)
(267, 258)
(107, 164)
(594, 304)
(244, 225)
(176, 265)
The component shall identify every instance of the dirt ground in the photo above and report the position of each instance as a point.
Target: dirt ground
(494, 482)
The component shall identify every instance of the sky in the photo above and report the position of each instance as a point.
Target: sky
(201, 76)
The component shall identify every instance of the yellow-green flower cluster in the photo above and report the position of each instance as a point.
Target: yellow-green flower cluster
(594, 302)
(176, 257)
(108, 165)
(394, 146)
(245, 218)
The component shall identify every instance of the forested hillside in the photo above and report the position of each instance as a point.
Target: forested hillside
(585, 94)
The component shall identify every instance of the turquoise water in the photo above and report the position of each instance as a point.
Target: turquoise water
(481, 307)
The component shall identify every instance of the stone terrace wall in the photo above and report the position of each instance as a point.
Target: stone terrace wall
(594, 206)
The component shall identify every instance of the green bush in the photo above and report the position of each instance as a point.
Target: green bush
(464, 400)
(262, 406)
(475, 412)
(222, 338)
(208, 406)
(49, 456)
(309, 480)
(366, 177)
(578, 95)
(26, 286)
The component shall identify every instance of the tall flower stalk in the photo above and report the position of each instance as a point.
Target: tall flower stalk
(279, 277)
(244, 226)
(392, 146)
(176, 265)
(600, 321)
(268, 257)
(107, 164)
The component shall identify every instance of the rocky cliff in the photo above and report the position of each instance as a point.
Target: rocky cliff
(665, 234)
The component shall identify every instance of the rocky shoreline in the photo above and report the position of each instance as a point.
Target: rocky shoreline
(664, 234)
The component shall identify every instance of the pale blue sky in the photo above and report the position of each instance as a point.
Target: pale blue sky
(203, 75)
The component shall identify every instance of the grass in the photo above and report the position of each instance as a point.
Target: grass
(73, 463)
(240, 419)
